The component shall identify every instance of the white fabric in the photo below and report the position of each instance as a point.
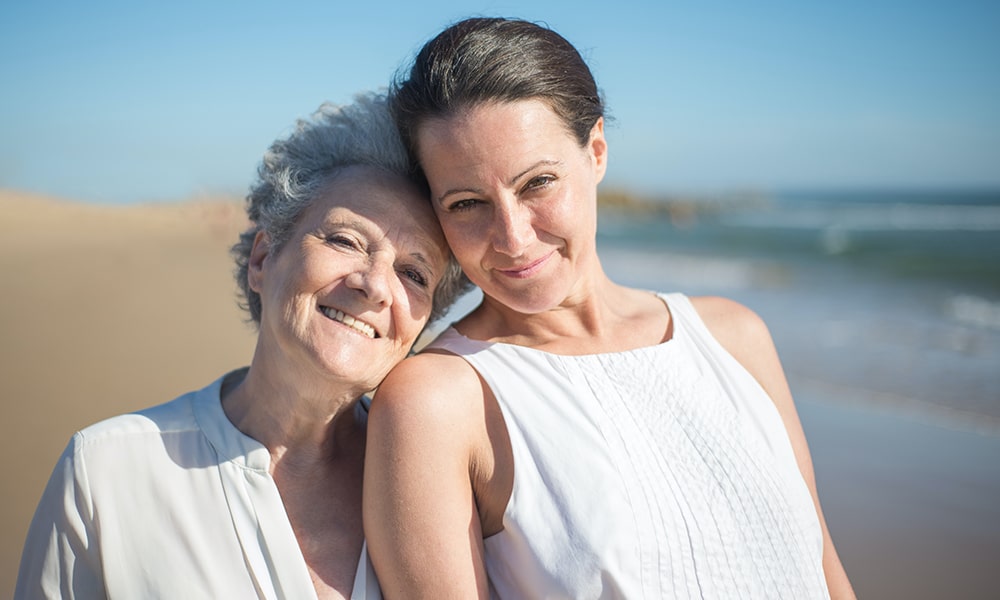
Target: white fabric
(169, 502)
(661, 472)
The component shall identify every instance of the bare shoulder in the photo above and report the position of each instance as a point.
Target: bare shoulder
(738, 328)
(743, 333)
(431, 389)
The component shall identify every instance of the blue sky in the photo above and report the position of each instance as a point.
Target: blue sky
(132, 101)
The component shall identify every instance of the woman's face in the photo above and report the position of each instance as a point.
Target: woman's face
(516, 197)
(352, 287)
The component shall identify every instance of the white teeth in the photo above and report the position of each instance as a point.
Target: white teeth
(357, 324)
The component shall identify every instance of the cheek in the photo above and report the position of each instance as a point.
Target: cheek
(574, 211)
(407, 326)
(462, 237)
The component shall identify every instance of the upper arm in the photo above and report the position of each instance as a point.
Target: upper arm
(61, 553)
(745, 335)
(421, 522)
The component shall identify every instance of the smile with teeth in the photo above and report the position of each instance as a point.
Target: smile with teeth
(342, 317)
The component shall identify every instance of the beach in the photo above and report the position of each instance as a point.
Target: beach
(106, 310)
(893, 361)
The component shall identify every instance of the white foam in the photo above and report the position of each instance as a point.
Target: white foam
(972, 310)
(666, 270)
(898, 217)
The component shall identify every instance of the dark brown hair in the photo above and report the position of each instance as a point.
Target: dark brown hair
(481, 60)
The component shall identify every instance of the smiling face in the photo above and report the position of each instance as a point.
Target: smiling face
(516, 197)
(349, 292)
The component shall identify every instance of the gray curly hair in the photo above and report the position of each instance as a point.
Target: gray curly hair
(296, 169)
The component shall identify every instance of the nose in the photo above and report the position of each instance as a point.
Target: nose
(373, 278)
(512, 229)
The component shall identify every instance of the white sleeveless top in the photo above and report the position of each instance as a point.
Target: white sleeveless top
(660, 472)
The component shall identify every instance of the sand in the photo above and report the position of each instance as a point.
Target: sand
(912, 502)
(105, 310)
(111, 309)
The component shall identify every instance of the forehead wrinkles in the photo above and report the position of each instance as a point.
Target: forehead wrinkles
(413, 237)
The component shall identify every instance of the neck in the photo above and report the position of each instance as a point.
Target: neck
(298, 425)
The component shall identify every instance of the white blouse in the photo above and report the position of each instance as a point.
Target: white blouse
(169, 502)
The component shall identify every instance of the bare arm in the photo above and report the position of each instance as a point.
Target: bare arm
(745, 335)
(421, 521)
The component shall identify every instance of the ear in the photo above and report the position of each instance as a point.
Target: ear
(258, 254)
(598, 148)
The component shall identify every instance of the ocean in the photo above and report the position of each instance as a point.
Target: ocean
(883, 298)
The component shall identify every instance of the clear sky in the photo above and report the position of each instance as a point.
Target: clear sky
(133, 101)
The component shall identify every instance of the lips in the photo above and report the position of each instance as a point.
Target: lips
(352, 322)
(528, 269)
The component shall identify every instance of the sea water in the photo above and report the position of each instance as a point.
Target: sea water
(879, 298)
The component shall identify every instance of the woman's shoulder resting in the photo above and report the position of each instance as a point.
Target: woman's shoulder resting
(431, 387)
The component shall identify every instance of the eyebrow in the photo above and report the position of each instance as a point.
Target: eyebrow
(420, 258)
(364, 227)
(470, 190)
(350, 223)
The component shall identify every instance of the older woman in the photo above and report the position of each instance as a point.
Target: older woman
(251, 487)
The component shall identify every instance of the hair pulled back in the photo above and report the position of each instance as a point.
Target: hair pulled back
(483, 60)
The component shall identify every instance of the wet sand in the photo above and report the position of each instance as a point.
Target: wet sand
(913, 503)
(111, 309)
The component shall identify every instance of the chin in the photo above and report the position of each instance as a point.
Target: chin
(353, 368)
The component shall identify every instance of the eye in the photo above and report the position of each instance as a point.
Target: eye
(343, 240)
(462, 205)
(538, 182)
(416, 275)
